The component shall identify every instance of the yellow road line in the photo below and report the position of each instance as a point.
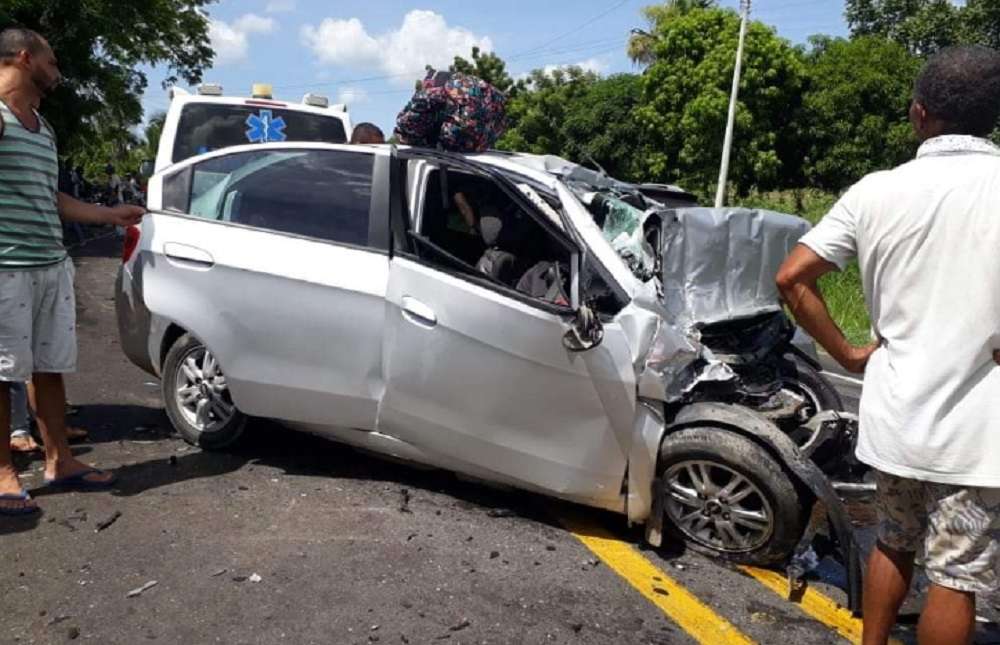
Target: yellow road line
(814, 604)
(679, 604)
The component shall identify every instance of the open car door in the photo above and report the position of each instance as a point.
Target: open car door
(477, 374)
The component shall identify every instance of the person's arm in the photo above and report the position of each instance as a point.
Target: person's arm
(73, 210)
(465, 208)
(798, 283)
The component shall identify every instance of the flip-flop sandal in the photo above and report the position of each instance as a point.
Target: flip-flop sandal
(78, 481)
(20, 510)
(23, 451)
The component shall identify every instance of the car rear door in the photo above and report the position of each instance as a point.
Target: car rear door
(276, 258)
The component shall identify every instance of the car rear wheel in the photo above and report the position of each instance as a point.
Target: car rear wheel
(197, 398)
(725, 496)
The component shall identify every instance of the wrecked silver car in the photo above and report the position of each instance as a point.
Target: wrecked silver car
(499, 316)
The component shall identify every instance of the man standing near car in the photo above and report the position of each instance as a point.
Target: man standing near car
(37, 303)
(927, 236)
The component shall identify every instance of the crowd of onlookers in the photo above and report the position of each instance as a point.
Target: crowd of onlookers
(111, 190)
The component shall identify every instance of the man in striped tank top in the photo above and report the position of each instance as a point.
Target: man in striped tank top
(37, 303)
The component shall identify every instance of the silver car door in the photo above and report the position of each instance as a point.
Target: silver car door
(477, 377)
(277, 260)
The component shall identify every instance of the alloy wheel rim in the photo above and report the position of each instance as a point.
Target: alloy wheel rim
(717, 506)
(201, 392)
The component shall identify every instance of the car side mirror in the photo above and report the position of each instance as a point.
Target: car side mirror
(585, 333)
(146, 169)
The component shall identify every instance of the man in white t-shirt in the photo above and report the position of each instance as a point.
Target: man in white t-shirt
(927, 237)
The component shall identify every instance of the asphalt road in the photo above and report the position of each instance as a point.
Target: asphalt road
(290, 538)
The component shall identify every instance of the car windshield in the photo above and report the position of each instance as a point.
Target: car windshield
(204, 127)
(623, 226)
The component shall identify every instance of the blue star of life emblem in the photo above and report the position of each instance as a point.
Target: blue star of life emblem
(263, 127)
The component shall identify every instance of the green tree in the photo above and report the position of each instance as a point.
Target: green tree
(151, 134)
(641, 43)
(601, 127)
(538, 112)
(579, 116)
(488, 67)
(855, 110)
(925, 26)
(686, 98)
(99, 44)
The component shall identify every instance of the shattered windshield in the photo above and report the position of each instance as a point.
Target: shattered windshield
(623, 227)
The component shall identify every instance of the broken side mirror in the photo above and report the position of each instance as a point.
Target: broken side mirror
(585, 333)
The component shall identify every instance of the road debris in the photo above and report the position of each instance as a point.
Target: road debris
(762, 618)
(138, 590)
(500, 512)
(73, 633)
(255, 578)
(494, 555)
(108, 521)
(219, 573)
(404, 505)
(465, 622)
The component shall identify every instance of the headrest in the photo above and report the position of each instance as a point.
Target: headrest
(489, 228)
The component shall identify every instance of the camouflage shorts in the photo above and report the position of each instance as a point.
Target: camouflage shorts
(957, 526)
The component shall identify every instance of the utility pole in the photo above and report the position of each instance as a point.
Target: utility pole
(720, 194)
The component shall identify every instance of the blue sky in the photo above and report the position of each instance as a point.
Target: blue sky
(368, 53)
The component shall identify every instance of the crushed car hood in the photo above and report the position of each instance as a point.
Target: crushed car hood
(715, 265)
(720, 263)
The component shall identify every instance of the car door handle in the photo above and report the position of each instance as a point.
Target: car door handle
(418, 313)
(185, 254)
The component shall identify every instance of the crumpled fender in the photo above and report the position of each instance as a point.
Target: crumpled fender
(747, 422)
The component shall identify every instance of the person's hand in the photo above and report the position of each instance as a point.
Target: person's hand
(126, 214)
(857, 358)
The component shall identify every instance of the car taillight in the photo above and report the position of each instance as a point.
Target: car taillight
(132, 234)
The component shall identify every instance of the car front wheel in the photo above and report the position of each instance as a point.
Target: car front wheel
(725, 496)
(196, 396)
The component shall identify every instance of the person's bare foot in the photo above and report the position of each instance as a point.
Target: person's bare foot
(12, 497)
(72, 467)
(76, 434)
(24, 443)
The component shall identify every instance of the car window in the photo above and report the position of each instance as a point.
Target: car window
(204, 127)
(471, 225)
(325, 194)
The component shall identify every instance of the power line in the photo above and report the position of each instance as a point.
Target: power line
(577, 28)
(588, 48)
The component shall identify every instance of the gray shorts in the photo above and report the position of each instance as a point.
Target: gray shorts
(958, 528)
(37, 321)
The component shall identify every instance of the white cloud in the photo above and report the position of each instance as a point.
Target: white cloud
(280, 6)
(424, 38)
(352, 95)
(231, 41)
(594, 65)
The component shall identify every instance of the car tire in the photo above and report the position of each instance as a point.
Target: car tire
(196, 396)
(720, 523)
